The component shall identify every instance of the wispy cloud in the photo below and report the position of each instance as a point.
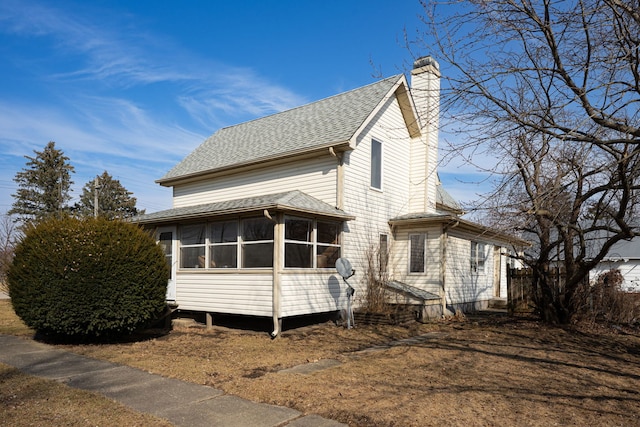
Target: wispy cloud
(118, 98)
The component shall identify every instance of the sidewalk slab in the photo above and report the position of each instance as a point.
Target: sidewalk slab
(142, 391)
(180, 402)
(230, 411)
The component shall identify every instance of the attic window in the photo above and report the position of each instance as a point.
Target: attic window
(376, 164)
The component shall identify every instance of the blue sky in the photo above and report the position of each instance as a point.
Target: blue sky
(131, 87)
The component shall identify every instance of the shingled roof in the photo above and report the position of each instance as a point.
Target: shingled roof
(320, 124)
(290, 201)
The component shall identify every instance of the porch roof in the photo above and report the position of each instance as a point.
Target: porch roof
(412, 290)
(291, 201)
(476, 230)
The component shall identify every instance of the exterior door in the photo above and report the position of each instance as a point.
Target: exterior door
(167, 240)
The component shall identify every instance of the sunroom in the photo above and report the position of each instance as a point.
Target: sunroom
(271, 255)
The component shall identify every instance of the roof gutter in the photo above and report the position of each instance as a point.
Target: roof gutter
(237, 167)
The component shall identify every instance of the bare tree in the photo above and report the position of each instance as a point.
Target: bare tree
(552, 89)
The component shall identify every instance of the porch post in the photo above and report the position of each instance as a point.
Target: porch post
(278, 252)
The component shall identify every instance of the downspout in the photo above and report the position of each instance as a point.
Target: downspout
(277, 258)
(339, 178)
(444, 237)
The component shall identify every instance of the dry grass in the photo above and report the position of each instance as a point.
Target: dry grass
(30, 401)
(476, 372)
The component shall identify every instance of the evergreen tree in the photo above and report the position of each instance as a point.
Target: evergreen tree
(43, 185)
(114, 201)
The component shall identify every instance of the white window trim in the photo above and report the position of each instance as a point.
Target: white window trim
(382, 149)
(478, 253)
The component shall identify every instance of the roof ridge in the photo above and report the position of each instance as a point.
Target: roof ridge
(312, 102)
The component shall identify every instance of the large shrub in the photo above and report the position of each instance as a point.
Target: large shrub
(87, 278)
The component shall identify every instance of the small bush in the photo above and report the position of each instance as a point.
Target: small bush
(89, 278)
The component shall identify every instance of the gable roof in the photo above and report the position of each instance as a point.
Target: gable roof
(291, 201)
(620, 251)
(314, 126)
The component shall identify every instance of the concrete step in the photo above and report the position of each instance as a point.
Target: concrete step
(498, 303)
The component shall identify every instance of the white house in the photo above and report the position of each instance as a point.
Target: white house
(262, 210)
(623, 256)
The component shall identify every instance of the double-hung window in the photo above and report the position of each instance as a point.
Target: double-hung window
(477, 257)
(417, 253)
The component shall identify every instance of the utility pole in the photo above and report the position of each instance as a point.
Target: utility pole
(96, 186)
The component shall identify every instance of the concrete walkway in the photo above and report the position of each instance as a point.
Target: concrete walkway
(181, 403)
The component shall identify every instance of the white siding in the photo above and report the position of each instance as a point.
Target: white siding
(430, 280)
(630, 270)
(425, 89)
(316, 177)
(233, 293)
(305, 292)
(374, 208)
(461, 284)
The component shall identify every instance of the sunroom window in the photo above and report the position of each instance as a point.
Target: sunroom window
(298, 246)
(304, 237)
(257, 243)
(223, 244)
(328, 244)
(192, 246)
(248, 243)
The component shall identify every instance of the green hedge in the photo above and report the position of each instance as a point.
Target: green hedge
(87, 278)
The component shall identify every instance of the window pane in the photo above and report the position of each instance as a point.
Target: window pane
(257, 255)
(327, 256)
(481, 255)
(297, 255)
(417, 253)
(474, 256)
(224, 232)
(192, 234)
(376, 164)
(257, 229)
(223, 256)
(328, 232)
(166, 240)
(297, 229)
(192, 257)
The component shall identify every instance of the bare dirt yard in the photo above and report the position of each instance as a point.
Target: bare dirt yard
(488, 370)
